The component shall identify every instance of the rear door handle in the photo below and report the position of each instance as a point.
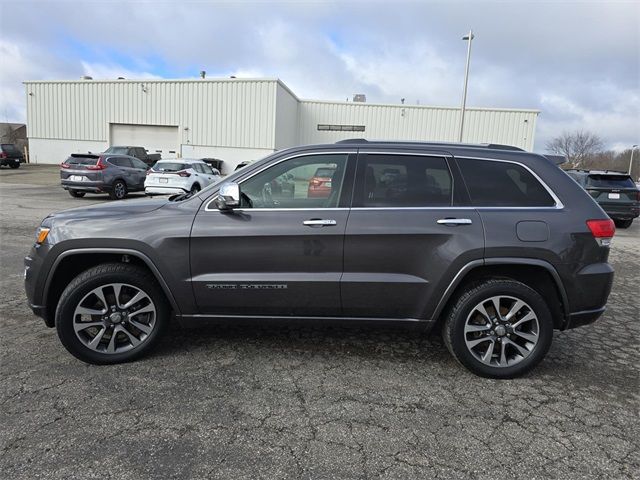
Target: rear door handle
(316, 222)
(455, 221)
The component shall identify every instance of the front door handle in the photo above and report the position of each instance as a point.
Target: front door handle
(454, 221)
(317, 222)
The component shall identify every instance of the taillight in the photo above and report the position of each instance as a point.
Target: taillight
(184, 173)
(64, 165)
(98, 166)
(3, 155)
(602, 230)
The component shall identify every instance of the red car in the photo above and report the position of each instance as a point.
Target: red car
(320, 183)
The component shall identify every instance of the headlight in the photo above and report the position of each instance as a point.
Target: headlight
(41, 234)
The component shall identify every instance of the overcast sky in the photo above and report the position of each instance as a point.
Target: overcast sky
(577, 62)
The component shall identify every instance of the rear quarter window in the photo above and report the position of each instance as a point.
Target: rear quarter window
(503, 184)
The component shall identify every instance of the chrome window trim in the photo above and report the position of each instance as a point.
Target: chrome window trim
(295, 155)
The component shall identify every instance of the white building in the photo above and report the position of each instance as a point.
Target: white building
(235, 119)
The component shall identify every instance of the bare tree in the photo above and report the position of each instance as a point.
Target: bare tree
(577, 146)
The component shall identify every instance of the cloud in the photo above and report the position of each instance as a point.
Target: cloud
(577, 62)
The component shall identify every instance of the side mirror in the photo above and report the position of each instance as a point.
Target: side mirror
(228, 197)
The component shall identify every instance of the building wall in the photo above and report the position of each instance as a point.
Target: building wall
(48, 150)
(287, 124)
(408, 122)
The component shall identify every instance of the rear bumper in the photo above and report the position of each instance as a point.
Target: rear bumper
(622, 212)
(95, 187)
(164, 190)
(588, 294)
(10, 161)
(586, 317)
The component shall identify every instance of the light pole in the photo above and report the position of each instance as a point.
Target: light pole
(469, 38)
(631, 159)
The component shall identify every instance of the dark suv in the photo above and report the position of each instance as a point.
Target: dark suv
(614, 191)
(116, 175)
(493, 246)
(10, 155)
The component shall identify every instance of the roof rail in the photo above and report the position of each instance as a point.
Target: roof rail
(489, 146)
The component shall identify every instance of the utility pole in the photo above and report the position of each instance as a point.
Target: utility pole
(469, 38)
(633, 148)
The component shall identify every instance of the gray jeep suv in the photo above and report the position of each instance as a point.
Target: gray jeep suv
(492, 246)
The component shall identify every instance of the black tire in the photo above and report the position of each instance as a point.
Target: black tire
(195, 188)
(464, 303)
(93, 278)
(76, 193)
(14, 165)
(118, 190)
(623, 223)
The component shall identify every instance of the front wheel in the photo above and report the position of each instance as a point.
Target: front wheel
(498, 328)
(111, 313)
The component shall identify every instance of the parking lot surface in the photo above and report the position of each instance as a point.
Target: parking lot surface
(307, 401)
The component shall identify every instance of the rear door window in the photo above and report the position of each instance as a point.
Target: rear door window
(503, 184)
(120, 162)
(139, 164)
(388, 180)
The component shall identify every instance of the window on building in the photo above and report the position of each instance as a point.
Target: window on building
(403, 181)
(341, 128)
(503, 184)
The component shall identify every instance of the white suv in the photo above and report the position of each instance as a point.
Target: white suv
(179, 175)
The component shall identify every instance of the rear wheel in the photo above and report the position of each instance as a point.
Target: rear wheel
(498, 328)
(111, 313)
(118, 190)
(623, 223)
(195, 188)
(14, 165)
(76, 194)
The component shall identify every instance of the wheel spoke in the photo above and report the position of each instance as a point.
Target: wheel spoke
(111, 348)
(531, 337)
(117, 288)
(90, 311)
(503, 355)
(136, 298)
(528, 317)
(79, 326)
(132, 338)
(141, 326)
(145, 309)
(515, 308)
(96, 340)
(496, 305)
(469, 328)
(100, 294)
(483, 311)
(523, 351)
(473, 343)
(486, 358)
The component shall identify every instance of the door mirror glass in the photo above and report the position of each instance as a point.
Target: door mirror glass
(229, 196)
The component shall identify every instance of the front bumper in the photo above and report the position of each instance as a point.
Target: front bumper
(33, 283)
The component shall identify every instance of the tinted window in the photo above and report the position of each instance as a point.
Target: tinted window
(120, 150)
(503, 184)
(120, 162)
(138, 164)
(9, 148)
(610, 181)
(291, 184)
(81, 160)
(170, 166)
(403, 181)
(207, 169)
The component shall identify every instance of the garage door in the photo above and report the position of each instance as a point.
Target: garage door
(156, 139)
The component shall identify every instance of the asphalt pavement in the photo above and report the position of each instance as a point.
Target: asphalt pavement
(307, 402)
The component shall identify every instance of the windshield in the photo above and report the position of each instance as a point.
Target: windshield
(118, 150)
(610, 181)
(170, 166)
(9, 147)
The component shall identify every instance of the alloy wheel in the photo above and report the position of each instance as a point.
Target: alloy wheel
(501, 331)
(114, 318)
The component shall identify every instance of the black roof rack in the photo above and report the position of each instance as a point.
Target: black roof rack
(490, 146)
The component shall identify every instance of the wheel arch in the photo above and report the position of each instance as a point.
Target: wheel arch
(72, 262)
(533, 272)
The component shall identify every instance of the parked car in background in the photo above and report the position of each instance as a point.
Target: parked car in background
(243, 164)
(179, 175)
(138, 152)
(116, 175)
(320, 183)
(615, 191)
(10, 155)
(506, 249)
